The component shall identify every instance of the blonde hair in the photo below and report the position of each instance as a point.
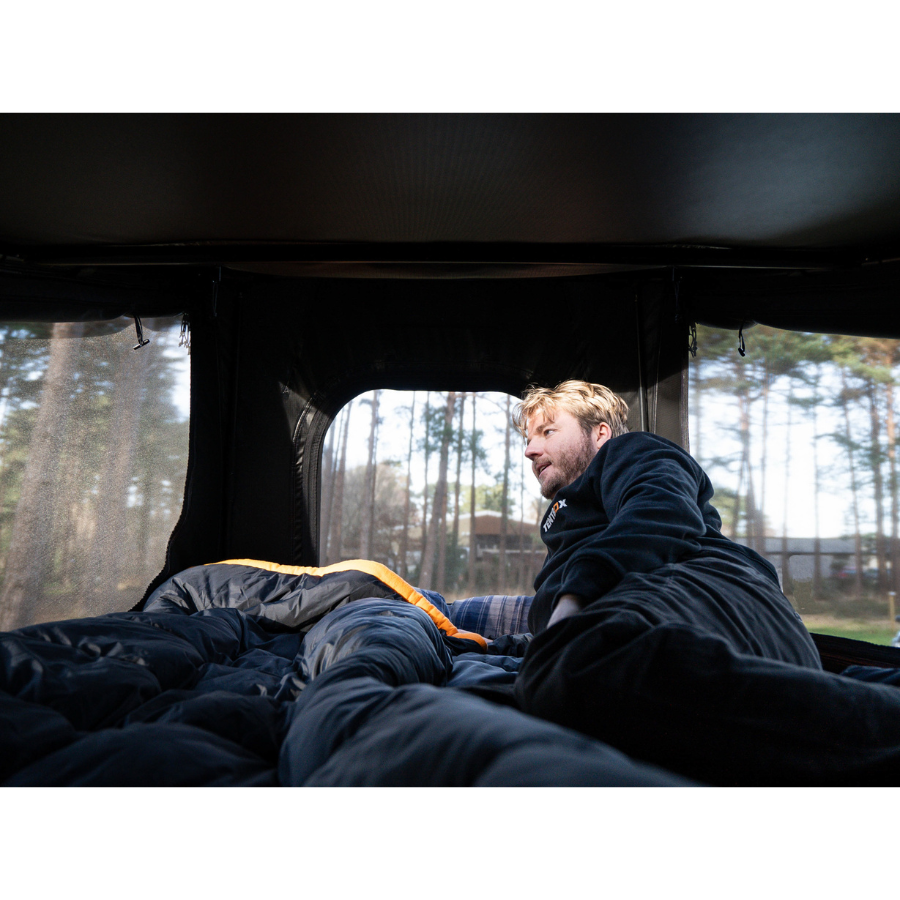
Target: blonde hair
(590, 403)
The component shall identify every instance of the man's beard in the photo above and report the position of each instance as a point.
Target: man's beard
(571, 463)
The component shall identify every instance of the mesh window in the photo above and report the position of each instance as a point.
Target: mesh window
(799, 438)
(93, 456)
(393, 458)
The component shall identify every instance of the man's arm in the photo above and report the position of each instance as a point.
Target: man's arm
(566, 606)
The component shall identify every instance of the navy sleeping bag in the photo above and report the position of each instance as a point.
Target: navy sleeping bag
(246, 673)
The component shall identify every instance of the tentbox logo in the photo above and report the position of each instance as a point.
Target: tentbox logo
(551, 518)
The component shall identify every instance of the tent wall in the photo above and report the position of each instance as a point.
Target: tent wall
(33, 294)
(862, 300)
(284, 356)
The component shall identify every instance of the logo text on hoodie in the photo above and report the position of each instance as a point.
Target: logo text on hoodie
(551, 518)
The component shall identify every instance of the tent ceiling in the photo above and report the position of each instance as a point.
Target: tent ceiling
(484, 184)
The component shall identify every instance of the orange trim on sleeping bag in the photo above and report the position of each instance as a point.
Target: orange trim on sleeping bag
(376, 570)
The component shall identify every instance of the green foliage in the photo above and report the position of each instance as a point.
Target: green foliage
(490, 498)
(432, 429)
(859, 632)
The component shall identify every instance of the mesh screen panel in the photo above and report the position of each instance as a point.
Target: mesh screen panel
(93, 456)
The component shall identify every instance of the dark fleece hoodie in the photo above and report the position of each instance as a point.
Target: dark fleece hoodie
(637, 529)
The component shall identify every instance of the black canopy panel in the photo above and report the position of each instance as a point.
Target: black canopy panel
(755, 182)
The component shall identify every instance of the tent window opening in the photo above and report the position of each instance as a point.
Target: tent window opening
(434, 485)
(93, 457)
(799, 438)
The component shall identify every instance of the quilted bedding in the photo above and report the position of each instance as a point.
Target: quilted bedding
(249, 673)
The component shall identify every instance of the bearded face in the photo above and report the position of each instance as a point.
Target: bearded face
(559, 449)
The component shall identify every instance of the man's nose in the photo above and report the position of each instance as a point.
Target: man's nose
(531, 449)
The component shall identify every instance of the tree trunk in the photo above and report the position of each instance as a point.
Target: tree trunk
(787, 585)
(106, 554)
(817, 543)
(697, 402)
(404, 539)
(29, 547)
(4, 401)
(147, 500)
(763, 464)
(441, 579)
(427, 420)
(504, 514)
(368, 510)
(750, 514)
(335, 543)
(892, 462)
(329, 463)
(438, 505)
(473, 544)
(744, 431)
(875, 456)
(736, 513)
(857, 537)
(753, 536)
(459, 455)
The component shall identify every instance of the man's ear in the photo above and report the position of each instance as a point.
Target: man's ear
(600, 434)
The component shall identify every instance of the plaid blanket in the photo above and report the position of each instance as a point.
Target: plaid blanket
(491, 616)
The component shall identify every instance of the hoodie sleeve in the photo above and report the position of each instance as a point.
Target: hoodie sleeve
(650, 493)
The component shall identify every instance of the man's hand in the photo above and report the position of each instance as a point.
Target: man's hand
(566, 606)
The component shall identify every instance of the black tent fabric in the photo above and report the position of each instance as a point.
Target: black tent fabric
(756, 182)
(318, 256)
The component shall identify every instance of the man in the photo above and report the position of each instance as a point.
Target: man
(635, 505)
(655, 633)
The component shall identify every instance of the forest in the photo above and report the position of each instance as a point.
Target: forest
(93, 455)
